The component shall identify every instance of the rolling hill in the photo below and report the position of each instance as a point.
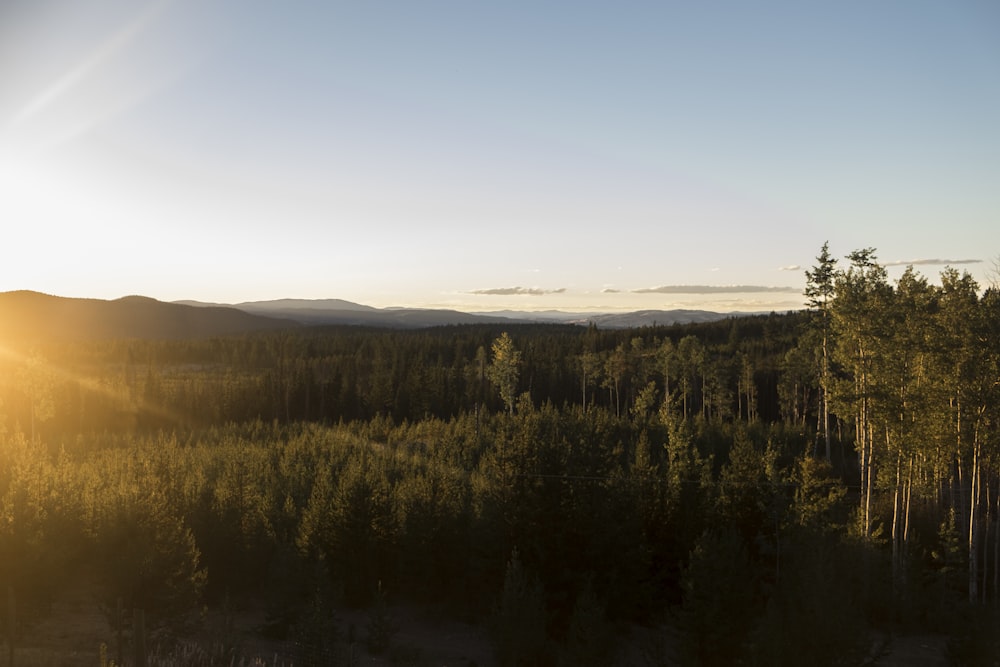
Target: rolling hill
(27, 315)
(315, 312)
(312, 312)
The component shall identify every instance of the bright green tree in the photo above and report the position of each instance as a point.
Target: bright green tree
(504, 369)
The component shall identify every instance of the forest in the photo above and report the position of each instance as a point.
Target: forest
(775, 489)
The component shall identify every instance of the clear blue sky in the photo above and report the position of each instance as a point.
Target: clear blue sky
(486, 155)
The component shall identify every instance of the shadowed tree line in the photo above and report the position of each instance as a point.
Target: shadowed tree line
(765, 489)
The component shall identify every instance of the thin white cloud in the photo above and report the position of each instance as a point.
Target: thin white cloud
(790, 267)
(610, 290)
(931, 262)
(712, 289)
(517, 291)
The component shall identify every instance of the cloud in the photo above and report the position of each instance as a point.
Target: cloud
(932, 262)
(790, 267)
(610, 290)
(712, 289)
(517, 291)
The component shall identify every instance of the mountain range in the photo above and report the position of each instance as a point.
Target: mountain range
(27, 315)
(338, 311)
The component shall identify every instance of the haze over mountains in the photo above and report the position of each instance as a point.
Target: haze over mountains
(338, 311)
(315, 312)
(26, 315)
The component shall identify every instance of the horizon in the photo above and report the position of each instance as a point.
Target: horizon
(892, 269)
(591, 310)
(491, 157)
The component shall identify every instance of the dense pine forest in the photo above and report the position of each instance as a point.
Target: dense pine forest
(773, 489)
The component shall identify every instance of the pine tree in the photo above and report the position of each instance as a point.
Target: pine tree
(518, 623)
(819, 292)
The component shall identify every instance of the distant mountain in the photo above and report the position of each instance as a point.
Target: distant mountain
(649, 318)
(314, 312)
(303, 305)
(630, 320)
(26, 315)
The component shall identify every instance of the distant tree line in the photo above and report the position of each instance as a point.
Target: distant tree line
(342, 374)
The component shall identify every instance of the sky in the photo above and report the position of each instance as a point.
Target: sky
(483, 155)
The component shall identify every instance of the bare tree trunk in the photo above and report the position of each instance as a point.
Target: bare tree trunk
(973, 528)
(803, 409)
(985, 539)
(897, 501)
(908, 497)
(996, 555)
(868, 490)
(739, 398)
(865, 445)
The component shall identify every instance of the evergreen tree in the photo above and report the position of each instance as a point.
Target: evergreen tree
(518, 623)
(820, 290)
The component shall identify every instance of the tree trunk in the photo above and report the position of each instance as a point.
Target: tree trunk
(868, 483)
(897, 526)
(826, 399)
(908, 497)
(973, 528)
(996, 554)
(985, 539)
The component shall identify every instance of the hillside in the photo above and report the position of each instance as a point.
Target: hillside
(337, 311)
(27, 316)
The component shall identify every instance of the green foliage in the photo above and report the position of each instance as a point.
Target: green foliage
(504, 369)
(721, 600)
(589, 639)
(517, 626)
(317, 634)
(948, 559)
(381, 625)
(42, 529)
(639, 469)
(816, 615)
(148, 555)
(743, 495)
(820, 497)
